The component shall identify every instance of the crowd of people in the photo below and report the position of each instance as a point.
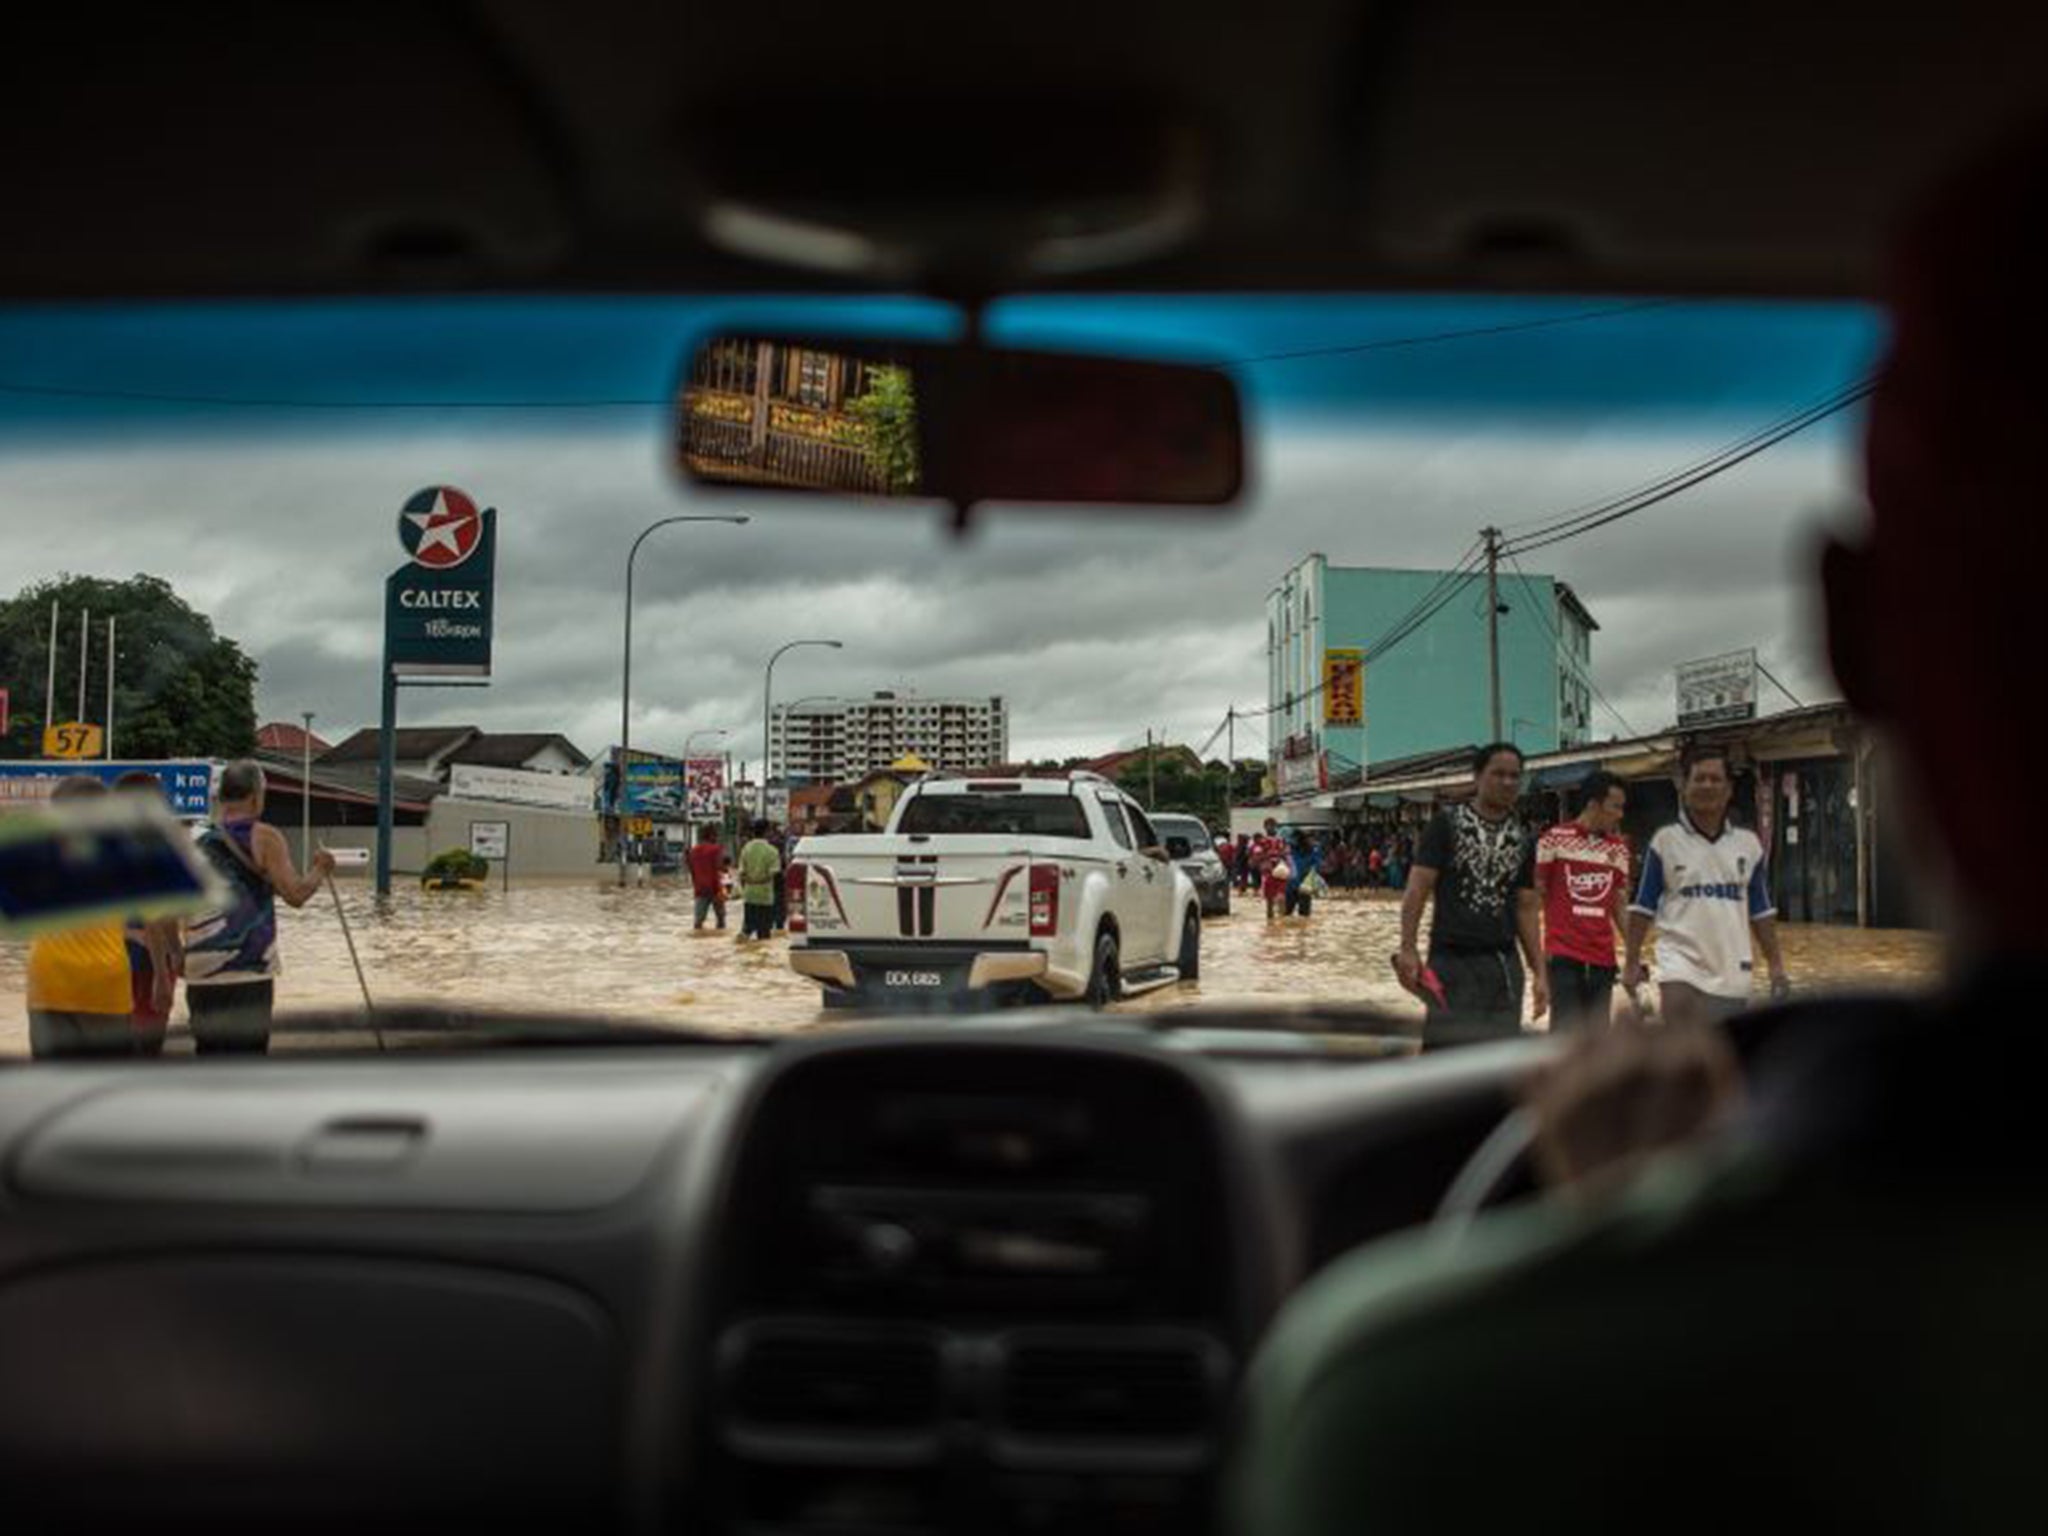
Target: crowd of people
(1546, 922)
(1348, 859)
(108, 989)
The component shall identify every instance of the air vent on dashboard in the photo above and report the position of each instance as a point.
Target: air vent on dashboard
(1069, 1386)
(789, 1377)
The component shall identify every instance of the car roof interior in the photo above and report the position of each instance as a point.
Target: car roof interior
(317, 148)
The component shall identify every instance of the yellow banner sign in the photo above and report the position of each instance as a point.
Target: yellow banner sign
(1344, 686)
(72, 741)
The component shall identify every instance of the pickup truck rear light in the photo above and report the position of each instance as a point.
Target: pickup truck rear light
(1045, 900)
(794, 882)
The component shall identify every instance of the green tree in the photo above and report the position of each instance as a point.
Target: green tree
(1207, 792)
(180, 689)
(888, 410)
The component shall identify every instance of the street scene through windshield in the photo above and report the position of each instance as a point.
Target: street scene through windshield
(453, 639)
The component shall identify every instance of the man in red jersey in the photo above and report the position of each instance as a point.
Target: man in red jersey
(1582, 875)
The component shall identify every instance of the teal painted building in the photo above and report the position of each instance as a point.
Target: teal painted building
(1429, 691)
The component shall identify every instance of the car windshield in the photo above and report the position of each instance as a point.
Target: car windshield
(1580, 526)
(995, 814)
(1177, 826)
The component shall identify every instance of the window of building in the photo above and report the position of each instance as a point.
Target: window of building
(814, 378)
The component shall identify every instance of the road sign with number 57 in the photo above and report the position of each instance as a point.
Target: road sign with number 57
(72, 741)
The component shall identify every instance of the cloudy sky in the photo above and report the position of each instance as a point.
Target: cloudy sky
(256, 457)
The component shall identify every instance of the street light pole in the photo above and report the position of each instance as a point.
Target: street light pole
(620, 801)
(768, 708)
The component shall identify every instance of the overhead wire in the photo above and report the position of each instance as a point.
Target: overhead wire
(1536, 602)
(1466, 333)
(1719, 463)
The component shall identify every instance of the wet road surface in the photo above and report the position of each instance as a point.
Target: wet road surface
(586, 946)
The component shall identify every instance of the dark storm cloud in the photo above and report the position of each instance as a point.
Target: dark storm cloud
(1094, 628)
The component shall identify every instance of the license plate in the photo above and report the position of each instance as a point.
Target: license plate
(912, 979)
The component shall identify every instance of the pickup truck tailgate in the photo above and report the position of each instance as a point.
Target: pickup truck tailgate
(898, 888)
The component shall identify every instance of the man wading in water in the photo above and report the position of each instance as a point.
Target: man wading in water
(1477, 862)
(231, 955)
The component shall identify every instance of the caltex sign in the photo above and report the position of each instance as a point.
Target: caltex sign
(438, 605)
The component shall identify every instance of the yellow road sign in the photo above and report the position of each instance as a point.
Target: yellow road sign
(72, 741)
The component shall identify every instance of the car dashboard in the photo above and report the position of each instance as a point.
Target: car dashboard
(904, 1279)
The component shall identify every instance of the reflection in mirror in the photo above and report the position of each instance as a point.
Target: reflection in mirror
(782, 414)
(957, 423)
(1179, 848)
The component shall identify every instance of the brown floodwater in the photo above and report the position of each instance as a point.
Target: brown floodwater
(588, 946)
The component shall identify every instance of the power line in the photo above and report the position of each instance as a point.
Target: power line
(1536, 602)
(1467, 333)
(1628, 506)
(32, 389)
(1797, 703)
(1796, 419)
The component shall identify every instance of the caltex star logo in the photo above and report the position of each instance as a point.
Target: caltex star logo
(440, 527)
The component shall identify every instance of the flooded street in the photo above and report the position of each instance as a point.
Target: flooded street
(583, 946)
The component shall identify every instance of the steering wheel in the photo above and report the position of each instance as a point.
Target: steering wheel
(1498, 1168)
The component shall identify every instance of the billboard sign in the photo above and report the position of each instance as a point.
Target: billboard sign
(518, 786)
(1304, 774)
(1718, 690)
(1343, 686)
(188, 786)
(704, 782)
(654, 787)
(438, 605)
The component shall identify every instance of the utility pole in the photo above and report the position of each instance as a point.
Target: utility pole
(1230, 768)
(1151, 774)
(84, 650)
(108, 744)
(50, 686)
(1492, 538)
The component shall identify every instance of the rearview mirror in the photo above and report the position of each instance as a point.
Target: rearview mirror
(1179, 848)
(958, 423)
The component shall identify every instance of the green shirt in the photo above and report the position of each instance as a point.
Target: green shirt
(760, 863)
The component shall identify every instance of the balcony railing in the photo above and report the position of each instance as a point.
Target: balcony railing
(820, 450)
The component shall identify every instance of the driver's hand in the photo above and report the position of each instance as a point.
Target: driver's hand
(1613, 1099)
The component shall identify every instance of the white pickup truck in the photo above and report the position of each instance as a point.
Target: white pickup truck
(983, 887)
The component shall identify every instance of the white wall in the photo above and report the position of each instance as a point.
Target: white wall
(543, 842)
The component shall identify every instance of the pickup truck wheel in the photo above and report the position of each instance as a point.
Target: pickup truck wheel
(1190, 963)
(1106, 980)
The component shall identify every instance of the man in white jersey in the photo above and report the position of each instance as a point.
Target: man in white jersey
(1703, 886)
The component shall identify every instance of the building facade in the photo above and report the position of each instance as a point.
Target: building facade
(1430, 690)
(832, 740)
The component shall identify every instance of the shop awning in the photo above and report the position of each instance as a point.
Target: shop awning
(1562, 775)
